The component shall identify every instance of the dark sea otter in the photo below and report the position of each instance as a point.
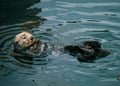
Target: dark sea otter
(26, 47)
(87, 51)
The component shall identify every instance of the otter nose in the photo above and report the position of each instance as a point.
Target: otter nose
(26, 41)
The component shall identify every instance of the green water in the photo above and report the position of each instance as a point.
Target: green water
(61, 22)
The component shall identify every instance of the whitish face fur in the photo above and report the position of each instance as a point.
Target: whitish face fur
(24, 39)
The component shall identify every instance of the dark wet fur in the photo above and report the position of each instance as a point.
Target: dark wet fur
(87, 51)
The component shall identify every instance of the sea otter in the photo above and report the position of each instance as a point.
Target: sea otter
(87, 51)
(27, 47)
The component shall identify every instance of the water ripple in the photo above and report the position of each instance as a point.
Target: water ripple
(92, 13)
(88, 5)
(68, 23)
(70, 32)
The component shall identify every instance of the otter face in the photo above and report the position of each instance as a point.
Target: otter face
(92, 44)
(24, 39)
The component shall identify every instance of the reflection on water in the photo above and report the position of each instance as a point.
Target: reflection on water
(13, 11)
(61, 22)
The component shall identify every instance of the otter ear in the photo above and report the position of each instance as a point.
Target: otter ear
(16, 39)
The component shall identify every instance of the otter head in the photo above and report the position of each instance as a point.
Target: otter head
(24, 39)
(92, 45)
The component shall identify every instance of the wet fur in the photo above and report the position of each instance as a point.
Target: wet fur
(25, 46)
(88, 50)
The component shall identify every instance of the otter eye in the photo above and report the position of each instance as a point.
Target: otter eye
(24, 37)
(31, 38)
(88, 46)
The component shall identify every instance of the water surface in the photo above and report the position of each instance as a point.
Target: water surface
(61, 22)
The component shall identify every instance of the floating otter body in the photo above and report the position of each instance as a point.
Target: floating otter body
(88, 50)
(26, 47)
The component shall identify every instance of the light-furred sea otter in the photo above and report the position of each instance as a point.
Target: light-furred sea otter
(27, 47)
